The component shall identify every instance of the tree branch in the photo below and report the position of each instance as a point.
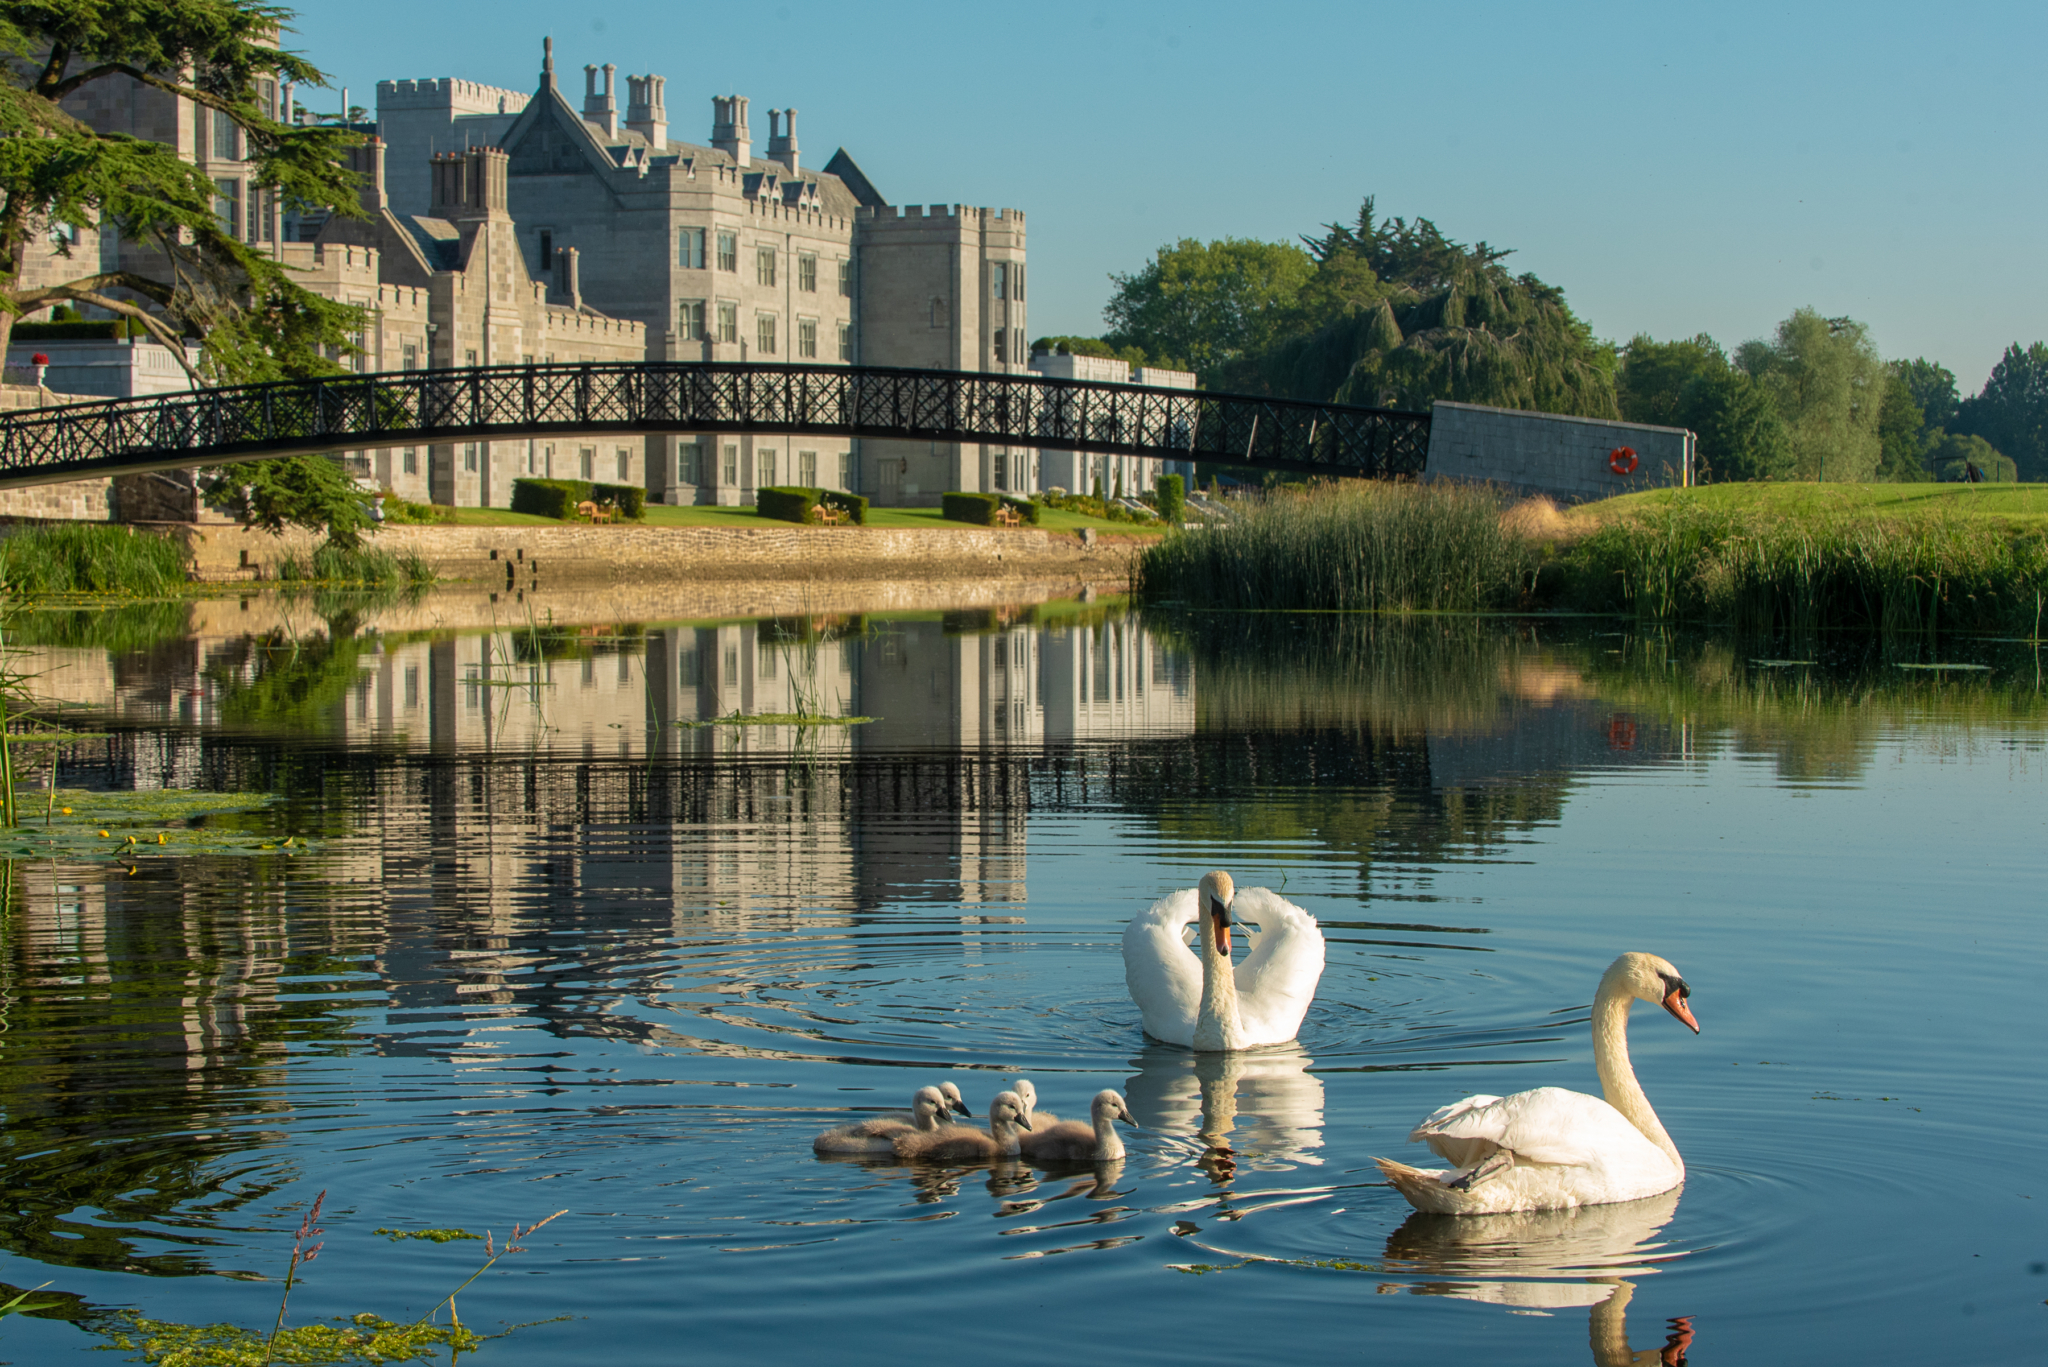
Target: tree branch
(171, 340)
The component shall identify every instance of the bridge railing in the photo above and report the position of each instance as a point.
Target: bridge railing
(496, 403)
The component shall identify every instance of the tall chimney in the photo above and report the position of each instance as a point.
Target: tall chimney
(781, 139)
(729, 127)
(645, 113)
(367, 160)
(569, 276)
(599, 106)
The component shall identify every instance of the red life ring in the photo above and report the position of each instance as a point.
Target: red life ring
(1622, 460)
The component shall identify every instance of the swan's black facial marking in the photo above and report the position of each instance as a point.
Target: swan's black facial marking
(1219, 918)
(1674, 983)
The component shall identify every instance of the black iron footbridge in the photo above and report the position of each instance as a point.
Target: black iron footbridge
(500, 403)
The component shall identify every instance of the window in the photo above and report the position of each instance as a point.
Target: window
(688, 671)
(940, 314)
(1002, 340)
(765, 460)
(690, 320)
(266, 98)
(224, 131)
(409, 357)
(469, 356)
(412, 685)
(266, 215)
(227, 206)
(547, 252)
(532, 452)
(846, 278)
(764, 333)
(1017, 292)
(547, 462)
(846, 341)
(807, 338)
(999, 280)
(690, 249)
(732, 465)
(586, 461)
(729, 251)
(1000, 467)
(807, 469)
(846, 470)
(728, 322)
(764, 265)
(409, 460)
(625, 464)
(470, 457)
(807, 274)
(688, 454)
(764, 659)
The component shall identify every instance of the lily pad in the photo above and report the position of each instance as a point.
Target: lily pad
(132, 827)
(1984, 668)
(1781, 664)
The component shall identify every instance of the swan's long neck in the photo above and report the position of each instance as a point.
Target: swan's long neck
(1108, 1143)
(1617, 1077)
(1004, 1131)
(1216, 1022)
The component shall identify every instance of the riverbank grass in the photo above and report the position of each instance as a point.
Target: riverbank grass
(88, 557)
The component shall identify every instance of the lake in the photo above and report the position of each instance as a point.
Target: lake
(548, 937)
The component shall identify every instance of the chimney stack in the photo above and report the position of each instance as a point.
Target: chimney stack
(646, 114)
(729, 127)
(469, 184)
(569, 276)
(367, 160)
(599, 106)
(781, 140)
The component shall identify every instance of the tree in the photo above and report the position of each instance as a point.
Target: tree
(293, 491)
(1954, 453)
(1828, 383)
(1690, 384)
(1901, 433)
(63, 179)
(2012, 411)
(1933, 388)
(1208, 303)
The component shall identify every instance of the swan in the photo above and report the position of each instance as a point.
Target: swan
(1071, 1141)
(1548, 1148)
(1206, 1002)
(878, 1134)
(1028, 1093)
(1006, 1118)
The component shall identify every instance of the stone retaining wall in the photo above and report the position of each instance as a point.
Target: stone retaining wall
(1546, 453)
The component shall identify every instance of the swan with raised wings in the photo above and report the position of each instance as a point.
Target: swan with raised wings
(1549, 1148)
(1196, 996)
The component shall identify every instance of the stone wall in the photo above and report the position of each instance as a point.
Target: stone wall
(77, 500)
(1545, 453)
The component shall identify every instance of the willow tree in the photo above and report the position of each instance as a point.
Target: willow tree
(64, 182)
(1829, 385)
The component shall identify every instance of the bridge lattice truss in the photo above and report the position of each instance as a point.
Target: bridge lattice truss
(498, 403)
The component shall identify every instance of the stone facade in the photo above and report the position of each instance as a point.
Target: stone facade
(1077, 471)
(1565, 458)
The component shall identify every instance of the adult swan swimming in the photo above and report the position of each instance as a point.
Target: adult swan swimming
(1198, 998)
(1549, 1148)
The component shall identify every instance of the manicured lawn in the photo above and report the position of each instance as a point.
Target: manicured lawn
(661, 515)
(2018, 505)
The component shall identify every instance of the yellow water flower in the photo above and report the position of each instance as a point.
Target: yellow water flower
(104, 834)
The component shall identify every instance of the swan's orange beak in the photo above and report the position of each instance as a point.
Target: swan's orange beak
(1675, 1004)
(1219, 919)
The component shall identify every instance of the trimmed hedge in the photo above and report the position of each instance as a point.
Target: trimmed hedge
(980, 509)
(556, 498)
(80, 330)
(787, 503)
(853, 505)
(629, 499)
(1173, 498)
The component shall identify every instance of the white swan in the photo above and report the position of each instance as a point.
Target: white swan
(1071, 1141)
(1206, 1002)
(878, 1134)
(1027, 1092)
(1549, 1148)
(1006, 1119)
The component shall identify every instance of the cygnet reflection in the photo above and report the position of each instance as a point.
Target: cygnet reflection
(1262, 1103)
(1548, 1260)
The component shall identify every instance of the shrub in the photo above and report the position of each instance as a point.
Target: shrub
(788, 503)
(629, 499)
(555, 498)
(1173, 498)
(853, 505)
(977, 509)
(400, 512)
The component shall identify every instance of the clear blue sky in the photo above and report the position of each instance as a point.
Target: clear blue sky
(1675, 169)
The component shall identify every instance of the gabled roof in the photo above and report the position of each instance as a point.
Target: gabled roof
(855, 180)
(440, 242)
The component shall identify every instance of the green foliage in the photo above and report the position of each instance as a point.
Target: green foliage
(1350, 546)
(257, 321)
(84, 557)
(1209, 303)
(73, 330)
(400, 512)
(1691, 384)
(1173, 499)
(978, 509)
(1829, 387)
(788, 503)
(1096, 346)
(1952, 454)
(296, 685)
(364, 1339)
(1933, 388)
(629, 499)
(2012, 411)
(438, 1236)
(313, 492)
(1094, 506)
(365, 566)
(853, 505)
(118, 630)
(549, 497)
(1901, 433)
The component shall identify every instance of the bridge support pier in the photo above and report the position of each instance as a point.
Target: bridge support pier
(158, 496)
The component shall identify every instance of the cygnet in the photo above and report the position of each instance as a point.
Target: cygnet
(878, 1134)
(1071, 1141)
(1039, 1119)
(1006, 1118)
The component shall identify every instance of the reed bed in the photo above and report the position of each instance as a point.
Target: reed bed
(369, 566)
(1351, 546)
(75, 557)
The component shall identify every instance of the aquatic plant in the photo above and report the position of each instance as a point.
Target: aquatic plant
(369, 566)
(84, 557)
(301, 1255)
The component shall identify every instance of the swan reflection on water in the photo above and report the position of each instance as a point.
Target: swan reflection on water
(1261, 1104)
(1548, 1260)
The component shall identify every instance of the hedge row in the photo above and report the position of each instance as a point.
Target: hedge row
(798, 503)
(980, 509)
(80, 330)
(557, 498)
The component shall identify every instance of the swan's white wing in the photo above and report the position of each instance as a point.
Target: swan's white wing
(1547, 1125)
(1163, 974)
(1276, 982)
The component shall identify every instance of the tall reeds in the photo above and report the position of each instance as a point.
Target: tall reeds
(84, 557)
(1352, 546)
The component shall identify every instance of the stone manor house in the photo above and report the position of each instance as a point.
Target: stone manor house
(507, 228)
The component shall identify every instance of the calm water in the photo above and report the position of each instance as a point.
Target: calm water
(557, 948)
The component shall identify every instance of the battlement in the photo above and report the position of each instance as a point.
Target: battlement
(817, 218)
(451, 94)
(918, 213)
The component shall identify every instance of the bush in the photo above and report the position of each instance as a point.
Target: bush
(629, 499)
(788, 502)
(79, 330)
(555, 498)
(1173, 498)
(400, 512)
(853, 505)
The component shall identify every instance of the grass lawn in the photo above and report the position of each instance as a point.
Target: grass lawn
(2018, 506)
(661, 515)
